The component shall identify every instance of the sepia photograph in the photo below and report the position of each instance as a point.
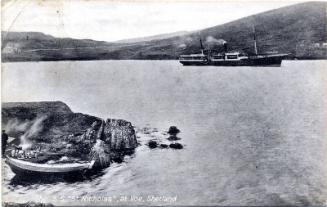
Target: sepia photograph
(163, 103)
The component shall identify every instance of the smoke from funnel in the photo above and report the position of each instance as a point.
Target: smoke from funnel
(211, 41)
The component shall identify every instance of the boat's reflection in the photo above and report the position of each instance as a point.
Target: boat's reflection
(26, 180)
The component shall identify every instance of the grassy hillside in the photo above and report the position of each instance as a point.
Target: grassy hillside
(298, 29)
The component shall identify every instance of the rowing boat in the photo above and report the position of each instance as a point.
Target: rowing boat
(22, 167)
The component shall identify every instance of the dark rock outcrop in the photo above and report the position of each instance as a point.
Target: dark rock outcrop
(31, 109)
(173, 130)
(51, 120)
(164, 145)
(120, 134)
(176, 146)
(53, 127)
(152, 144)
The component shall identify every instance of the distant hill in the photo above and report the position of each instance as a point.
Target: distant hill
(36, 46)
(298, 29)
(154, 37)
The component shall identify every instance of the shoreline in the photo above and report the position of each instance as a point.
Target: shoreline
(87, 60)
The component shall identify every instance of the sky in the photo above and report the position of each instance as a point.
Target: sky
(112, 20)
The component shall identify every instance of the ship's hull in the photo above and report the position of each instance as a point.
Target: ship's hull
(197, 63)
(251, 61)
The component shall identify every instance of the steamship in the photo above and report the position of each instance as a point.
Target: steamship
(212, 57)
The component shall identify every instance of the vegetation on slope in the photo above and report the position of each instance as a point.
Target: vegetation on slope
(298, 29)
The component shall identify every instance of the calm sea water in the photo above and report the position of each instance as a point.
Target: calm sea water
(252, 135)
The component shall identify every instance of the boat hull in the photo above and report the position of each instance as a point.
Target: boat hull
(24, 168)
(255, 61)
(186, 63)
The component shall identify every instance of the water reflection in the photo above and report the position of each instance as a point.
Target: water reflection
(19, 180)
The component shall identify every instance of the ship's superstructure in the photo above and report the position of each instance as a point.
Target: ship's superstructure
(233, 58)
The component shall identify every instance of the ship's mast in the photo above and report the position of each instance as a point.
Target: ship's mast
(255, 41)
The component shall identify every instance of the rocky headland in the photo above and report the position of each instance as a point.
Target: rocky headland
(50, 132)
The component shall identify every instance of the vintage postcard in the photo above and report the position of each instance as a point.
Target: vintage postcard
(163, 103)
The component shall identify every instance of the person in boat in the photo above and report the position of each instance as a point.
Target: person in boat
(4, 142)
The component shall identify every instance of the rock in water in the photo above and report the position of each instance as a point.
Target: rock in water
(163, 145)
(152, 144)
(173, 131)
(176, 146)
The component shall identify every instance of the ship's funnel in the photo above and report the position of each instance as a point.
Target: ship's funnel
(225, 47)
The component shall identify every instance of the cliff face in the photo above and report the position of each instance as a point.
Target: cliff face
(120, 134)
(43, 120)
(53, 127)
